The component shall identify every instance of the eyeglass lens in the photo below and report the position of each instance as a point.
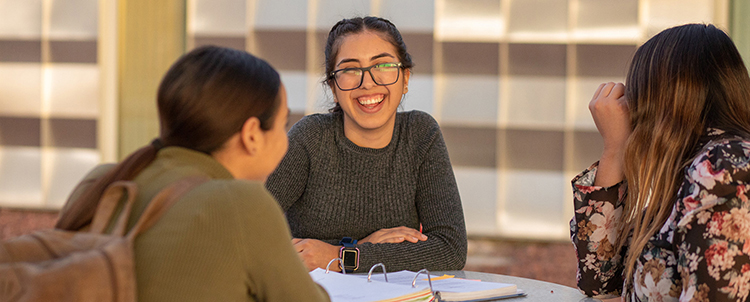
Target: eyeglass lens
(352, 78)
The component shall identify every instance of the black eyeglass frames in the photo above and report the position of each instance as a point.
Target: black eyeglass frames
(351, 78)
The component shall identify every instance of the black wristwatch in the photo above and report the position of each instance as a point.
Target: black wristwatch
(349, 255)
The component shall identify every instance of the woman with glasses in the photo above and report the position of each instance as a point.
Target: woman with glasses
(364, 182)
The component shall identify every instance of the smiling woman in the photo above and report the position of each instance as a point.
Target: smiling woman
(365, 182)
(369, 112)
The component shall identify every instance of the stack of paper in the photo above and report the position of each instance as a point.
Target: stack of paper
(356, 288)
(351, 288)
(448, 288)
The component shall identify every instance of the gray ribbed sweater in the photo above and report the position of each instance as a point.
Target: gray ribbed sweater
(331, 188)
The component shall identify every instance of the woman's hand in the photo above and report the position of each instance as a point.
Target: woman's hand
(611, 114)
(395, 235)
(609, 108)
(315, 253)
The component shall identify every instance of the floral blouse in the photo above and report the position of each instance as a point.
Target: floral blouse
(702, 253)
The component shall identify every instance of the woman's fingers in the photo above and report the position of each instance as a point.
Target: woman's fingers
(299, 244)
(598, 91)
(606, 90)
(407, 234)
(608, 97)
(392, 240)
(609, 109)
(395, 235)
(618, 90)
(315, 253)
(605, 93)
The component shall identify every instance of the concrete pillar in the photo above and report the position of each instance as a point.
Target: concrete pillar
(151, 36)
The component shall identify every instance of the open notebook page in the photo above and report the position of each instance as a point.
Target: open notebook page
(451, 288)
(350, 288)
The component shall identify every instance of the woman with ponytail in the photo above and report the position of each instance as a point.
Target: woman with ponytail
(222, 115)
(664, 214)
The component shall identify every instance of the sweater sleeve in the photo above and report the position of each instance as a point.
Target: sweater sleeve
(275, 272)
(288, 182)
(593, 233)
(440, 212)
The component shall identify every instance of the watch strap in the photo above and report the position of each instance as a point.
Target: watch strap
(348, 241)
(348, 244)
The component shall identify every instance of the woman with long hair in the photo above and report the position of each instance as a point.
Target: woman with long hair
(222, 115)
(365, 182)
(663, 215)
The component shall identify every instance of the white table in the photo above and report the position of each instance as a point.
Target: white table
(535, 290)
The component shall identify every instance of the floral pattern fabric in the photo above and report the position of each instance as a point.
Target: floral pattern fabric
(701, 253)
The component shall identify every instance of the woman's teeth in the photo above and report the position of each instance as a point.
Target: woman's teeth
(370, 100)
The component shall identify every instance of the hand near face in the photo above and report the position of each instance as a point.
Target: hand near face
(611, 114)
(609, 108)
(315, 253)
(395, 235)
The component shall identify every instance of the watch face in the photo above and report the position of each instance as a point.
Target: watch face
(350, 258)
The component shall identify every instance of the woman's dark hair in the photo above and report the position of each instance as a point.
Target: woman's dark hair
(357, 25)
(203, 100)
(681, 81)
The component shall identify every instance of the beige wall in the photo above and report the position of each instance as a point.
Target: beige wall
(740, 27)
(151, 37)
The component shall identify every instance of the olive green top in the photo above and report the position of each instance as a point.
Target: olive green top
(225, 240)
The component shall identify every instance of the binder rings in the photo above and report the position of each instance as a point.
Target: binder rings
(343, 288)
(408, 286)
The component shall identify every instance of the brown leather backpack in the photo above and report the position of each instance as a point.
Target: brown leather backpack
(58, 265)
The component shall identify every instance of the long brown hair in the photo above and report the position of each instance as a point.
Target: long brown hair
(680, 82)
(203, 100)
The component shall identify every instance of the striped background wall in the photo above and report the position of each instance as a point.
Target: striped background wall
(508, 81)
(49, 99)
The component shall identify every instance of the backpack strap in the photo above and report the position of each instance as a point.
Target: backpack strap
(163, 201)
(108, 204)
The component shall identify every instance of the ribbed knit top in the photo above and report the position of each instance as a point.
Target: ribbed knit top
(331, 188)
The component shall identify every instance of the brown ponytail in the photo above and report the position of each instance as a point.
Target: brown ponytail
(82, 210)
(203, 100)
